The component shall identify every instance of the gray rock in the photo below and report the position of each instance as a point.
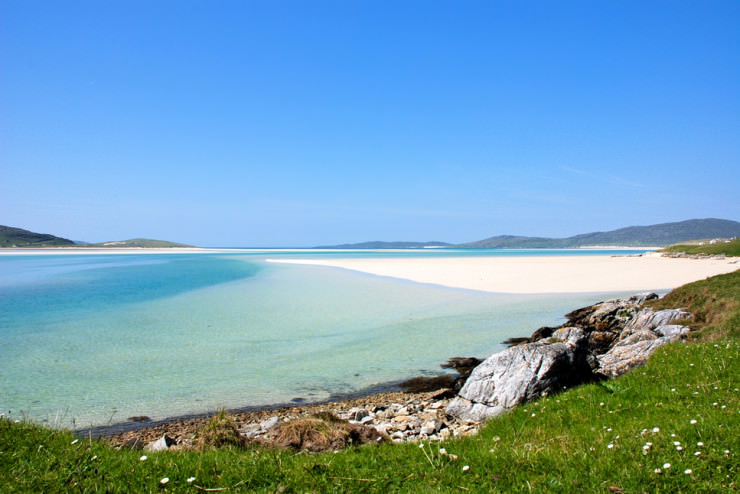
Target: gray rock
(628, 354)
(672, 331)
(358, 414)
(161, 444)
(366, 420)
(647, 319)
(520, 374)
(269, 423)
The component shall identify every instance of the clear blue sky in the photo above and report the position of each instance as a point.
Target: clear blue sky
(298, 123)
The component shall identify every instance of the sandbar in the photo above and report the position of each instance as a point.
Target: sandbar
(539, 274)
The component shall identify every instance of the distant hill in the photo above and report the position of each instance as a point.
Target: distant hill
(386, 245)
(137, 242)
(633, 236)
(18, 237)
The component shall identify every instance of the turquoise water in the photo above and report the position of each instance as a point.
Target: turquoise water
(93, 339)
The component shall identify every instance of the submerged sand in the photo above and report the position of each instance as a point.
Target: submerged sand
(542, 274)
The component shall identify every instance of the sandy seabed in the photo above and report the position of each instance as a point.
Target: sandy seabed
(541, 274)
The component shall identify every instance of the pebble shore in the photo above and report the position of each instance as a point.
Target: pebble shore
(398, 416)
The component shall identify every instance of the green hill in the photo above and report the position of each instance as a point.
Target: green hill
(138, 242)
(633, 236)
(18, 237)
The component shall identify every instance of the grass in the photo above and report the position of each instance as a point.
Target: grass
(730, 249)
(714, 303)
(606, 437)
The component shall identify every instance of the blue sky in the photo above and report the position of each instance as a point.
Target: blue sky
(299, 123)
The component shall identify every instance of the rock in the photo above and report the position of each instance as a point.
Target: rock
(269, 423)
(382, 428)
(359, 414)
(463, 365)
(672, 331)
(600, 341)
(366, 420)
(403, 418)
(543, 332)
(520, 374)
(139, 418)
(515, 341)
(647, 319)
(628, 354)
(643, 297)
(161, 444)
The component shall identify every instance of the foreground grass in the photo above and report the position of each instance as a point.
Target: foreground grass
(671, 426)
(730, 249)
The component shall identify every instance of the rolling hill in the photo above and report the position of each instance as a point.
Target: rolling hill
(18, 237)
(633, 236)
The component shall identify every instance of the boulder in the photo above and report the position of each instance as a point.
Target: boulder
(161, 444)
(523, 373)
(648, 319)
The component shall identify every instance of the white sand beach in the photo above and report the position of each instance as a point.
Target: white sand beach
(562, 274)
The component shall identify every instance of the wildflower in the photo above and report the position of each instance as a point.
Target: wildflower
(94, 458)
(673, 389)
(687, 471)
(496, 438)
(466, 468)
(421, 445)
(727, 452)
(657, 470)
(601, 404)
(656, 430)
(700, 444)
(673, 435)
(692, 421)
(142, 458)
(190, 480)
(715, 404)
(666, 465)
(679, 448)
(697, 453)
(533, 415)
(609, 429)
(610, 446)
(676, 443)
(164, 480)
(442, 451)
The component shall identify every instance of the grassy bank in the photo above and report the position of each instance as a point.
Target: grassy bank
(730, 249)
(668, 427)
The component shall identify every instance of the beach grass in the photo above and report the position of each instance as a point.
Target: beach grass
(670, 426)
(731, 248)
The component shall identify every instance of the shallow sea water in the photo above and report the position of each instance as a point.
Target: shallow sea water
(89, 340)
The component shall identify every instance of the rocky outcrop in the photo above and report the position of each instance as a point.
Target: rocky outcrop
(601, 341)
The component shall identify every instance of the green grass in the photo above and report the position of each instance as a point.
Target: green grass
(730, 249)
(557, 444)
(714, 303)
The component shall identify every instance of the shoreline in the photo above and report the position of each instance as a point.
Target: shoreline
(129, 426)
